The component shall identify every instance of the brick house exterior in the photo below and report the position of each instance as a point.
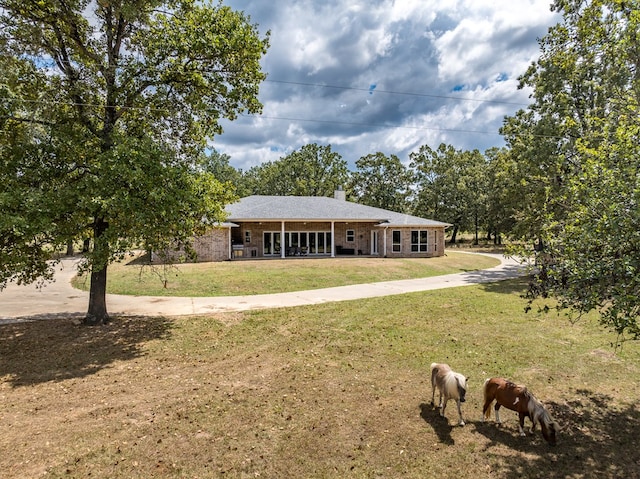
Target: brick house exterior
(304, 226)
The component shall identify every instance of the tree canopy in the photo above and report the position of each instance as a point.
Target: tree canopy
(576, 152)
(106, 108)
(450, 186)
(381, 181)
(312, 170)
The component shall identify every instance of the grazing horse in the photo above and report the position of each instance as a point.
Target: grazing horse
(518, 398)
(450, 384)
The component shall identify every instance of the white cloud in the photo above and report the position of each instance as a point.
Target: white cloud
(421, 55)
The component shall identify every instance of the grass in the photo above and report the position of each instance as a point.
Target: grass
(232, 278)
(337, 390)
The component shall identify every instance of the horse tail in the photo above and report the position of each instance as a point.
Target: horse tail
(434, 371)
(487, 400)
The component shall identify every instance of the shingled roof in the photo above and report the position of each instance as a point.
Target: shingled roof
(316, 208)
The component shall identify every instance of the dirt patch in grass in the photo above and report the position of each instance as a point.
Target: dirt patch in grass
(337, 390)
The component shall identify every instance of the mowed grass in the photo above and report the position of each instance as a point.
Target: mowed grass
(338, 390)
(231, 278)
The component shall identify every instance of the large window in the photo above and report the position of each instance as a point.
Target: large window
(419, 241)
(297, 243)
(396, 241)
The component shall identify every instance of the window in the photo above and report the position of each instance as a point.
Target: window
(296, 242)
(247, 236)
(396, 241)
(419, 241)
(351, 236)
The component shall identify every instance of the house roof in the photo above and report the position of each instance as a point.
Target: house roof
(318, 208)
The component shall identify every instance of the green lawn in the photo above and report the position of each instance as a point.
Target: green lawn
(337, 390)
(230, 278)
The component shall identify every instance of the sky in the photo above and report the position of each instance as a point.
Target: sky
(386, 76)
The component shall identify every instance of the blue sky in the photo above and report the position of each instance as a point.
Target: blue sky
(389, 76)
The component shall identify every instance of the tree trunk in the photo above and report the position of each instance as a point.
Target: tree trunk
(454, 234)
(70, 248)
(97, 313)
(476, 241)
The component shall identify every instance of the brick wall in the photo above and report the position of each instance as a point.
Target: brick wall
(212, 246)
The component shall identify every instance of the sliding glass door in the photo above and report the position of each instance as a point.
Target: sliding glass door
(296, 243)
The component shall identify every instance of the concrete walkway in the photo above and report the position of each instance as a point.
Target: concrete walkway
(60, 299)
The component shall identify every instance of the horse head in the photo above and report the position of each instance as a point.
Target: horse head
(548, 426)
(549, 431)
(462, 386)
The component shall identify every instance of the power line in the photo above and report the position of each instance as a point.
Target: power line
(372, 125)
(319, 85)
(292, 119)
(328, 122)
(392, 92)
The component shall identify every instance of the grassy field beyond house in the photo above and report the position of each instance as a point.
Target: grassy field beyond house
(230, 278)
(338, 390)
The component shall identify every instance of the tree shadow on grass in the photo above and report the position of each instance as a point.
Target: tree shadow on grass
(508, 286)
(595, 441)
(440, 425)
(34, 352)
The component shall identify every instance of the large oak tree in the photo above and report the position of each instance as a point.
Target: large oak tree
(576, 157)
(106, 108)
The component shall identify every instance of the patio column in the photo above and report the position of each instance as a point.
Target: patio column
(283, 252)
(333, 240)
(385, 242)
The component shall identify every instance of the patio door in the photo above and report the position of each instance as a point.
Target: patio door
(374, 243)
(271, 243)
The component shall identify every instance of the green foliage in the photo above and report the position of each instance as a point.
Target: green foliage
(577, 154)
(451, 186)
(503, 201)
(381, 181)
(106, 109)
(312, 170)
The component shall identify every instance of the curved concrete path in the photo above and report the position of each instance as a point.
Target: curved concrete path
(60, 299)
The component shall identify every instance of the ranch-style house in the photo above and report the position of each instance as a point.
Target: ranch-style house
(309, 226)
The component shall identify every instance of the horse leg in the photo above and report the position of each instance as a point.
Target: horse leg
(461, 423)
(497, 410)
(521, 423)
(433, 387)
(443, 405)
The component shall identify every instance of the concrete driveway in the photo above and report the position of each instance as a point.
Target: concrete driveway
(60, 299)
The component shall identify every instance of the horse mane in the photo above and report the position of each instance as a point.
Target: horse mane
(454, 380)
(537, 411)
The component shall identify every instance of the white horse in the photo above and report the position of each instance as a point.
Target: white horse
(450, 384)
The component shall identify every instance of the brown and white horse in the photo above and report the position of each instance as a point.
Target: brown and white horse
(518, 398)
(450, 384)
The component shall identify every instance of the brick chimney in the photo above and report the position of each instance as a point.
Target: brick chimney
(340, 194)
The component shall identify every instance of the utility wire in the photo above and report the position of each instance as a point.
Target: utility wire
(376, 90)
(328, 122)
(372, 125)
